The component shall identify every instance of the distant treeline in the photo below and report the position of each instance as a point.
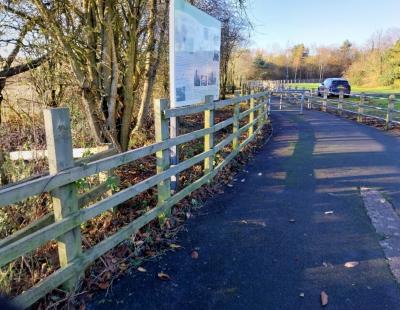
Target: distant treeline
(376, 63)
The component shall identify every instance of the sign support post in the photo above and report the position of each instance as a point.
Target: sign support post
(194, 61)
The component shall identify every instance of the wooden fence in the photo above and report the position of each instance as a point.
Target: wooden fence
(362, 106)
(275, 83)
(64, 224)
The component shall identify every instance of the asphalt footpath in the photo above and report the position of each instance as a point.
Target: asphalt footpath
(285, 230)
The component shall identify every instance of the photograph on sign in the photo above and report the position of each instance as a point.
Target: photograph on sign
(195, 42)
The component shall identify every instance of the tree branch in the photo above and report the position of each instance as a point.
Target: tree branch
(23, 67)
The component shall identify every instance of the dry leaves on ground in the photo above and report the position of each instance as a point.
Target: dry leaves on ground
(175, 246)
(195, 255)
(163, 276)
(351, 264)
(324, 298)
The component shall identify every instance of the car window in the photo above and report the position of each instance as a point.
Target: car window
(342, 82)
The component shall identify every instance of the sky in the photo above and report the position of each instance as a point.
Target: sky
(281, 23)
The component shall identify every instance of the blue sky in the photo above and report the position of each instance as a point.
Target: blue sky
(323, 22)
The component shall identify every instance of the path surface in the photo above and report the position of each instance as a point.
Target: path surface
(252, 257)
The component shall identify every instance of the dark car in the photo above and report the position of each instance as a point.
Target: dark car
(332, 85)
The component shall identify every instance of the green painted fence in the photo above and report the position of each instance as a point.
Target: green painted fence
(64, 224)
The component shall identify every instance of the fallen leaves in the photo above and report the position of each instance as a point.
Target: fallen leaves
(123, 267)
(195, 255)
(324, 298)
(351, 264)
(175, 246)
(163, 276)
(103, 285)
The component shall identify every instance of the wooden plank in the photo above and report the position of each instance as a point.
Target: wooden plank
(42, 154)
(247, 112)
(20, 191)
(32, 241)
(192, 109)
(29, 229)
(209, 138)
(48, 219)
(103, 151)
(65, 201)
(78, 162)
(161, 125)
(223, 103)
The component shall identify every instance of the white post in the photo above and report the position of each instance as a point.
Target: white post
(389, 114)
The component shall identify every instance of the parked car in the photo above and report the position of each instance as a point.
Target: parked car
(332, 85)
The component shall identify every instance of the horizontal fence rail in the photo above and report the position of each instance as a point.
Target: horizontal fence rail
(69, 213)
(362, 106)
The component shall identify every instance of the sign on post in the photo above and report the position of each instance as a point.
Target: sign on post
(194, 59)
(195, 42)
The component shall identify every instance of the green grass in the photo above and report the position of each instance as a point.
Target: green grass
(380, 90)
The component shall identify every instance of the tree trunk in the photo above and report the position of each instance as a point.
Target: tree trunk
(89, 103)
(150, 66)
(131, 77)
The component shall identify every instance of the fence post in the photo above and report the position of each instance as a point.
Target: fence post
(280, 101)
(269, 106)
(209, 138)
(340, 102)
(302, 102)
(389, 113)
(235, 127)
(260, 112)
(65, 200)
(360, 110)
(325, 100)
(250, 131)
(161, 126)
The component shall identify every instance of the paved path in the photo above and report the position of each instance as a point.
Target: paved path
(252, 257)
